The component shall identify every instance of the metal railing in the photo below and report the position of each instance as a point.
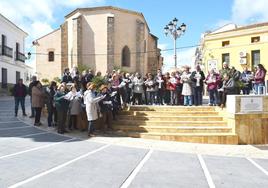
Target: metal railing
(7, 51)
(20, 57)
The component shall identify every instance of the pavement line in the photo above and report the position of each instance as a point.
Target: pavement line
(10, 122)
(10, 128)
(134, 173)
(206, 172)
(58, 167)
(34, 149)
(258, 166)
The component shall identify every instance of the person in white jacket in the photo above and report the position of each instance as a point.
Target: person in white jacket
(90, 100)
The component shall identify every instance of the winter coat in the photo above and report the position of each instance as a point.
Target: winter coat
(75, 102)
(38, 97)
(197, 81)
(173, 83)
(60, 102)
(160, 82)
(212, 81)
(230, 87)
(91, 105)
(259, 77)
(187, 85)
(17, 93)
(138, 85)
(150, 85)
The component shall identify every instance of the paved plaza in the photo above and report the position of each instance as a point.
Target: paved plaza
(38, 157)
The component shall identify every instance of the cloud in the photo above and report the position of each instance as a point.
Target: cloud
(248, 11)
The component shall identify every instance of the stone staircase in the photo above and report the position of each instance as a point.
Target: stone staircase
(175, 123)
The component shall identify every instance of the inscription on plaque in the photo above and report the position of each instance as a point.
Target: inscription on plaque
(250, 104)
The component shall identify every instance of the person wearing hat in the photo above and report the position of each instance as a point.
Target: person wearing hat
(90, 100)
(106, 107)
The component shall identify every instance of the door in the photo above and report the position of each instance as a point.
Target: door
(4, 78)
(17, 76)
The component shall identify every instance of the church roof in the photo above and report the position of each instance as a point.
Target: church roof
(107, 8)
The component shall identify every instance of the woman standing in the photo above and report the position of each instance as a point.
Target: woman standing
(259, 79)
(187, 87)
(38, 97)
(62, 107)
(74, 107)
(90, 100)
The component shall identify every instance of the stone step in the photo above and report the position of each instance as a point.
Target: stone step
(207, 138)
(174, 129)
(170, 123)
(171, 108)
(169, 113)
(169, 118)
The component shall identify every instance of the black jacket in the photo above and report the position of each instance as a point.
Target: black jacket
(16, 90)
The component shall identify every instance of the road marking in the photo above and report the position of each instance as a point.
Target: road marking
(10, 122)
(206, 172)
(258, 166)
(58, 167)
(10, 128)
(134, 173)
(34, 149)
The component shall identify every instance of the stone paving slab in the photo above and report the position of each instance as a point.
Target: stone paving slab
(167, 169)
(229, 172)
(19, 132)
(108, 168)
(20, 167)
(13, 145)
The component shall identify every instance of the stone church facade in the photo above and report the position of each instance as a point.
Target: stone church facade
(101, 38)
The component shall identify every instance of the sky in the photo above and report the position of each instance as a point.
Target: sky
(39, 17)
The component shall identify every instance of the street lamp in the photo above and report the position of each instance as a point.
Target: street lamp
(175, 32)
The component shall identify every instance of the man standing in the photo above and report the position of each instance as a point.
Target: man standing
(19, 92)
(30, 93)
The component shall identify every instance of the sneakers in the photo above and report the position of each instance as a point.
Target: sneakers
(31, 116)
(24, 115)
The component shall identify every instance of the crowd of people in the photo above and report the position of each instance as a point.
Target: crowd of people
(78, 96)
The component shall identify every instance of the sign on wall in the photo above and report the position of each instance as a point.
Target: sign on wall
(250, 104)
(212, 64)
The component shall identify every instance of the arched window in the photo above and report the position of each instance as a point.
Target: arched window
(126, 57)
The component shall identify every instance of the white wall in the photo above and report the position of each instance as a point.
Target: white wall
(13, 34)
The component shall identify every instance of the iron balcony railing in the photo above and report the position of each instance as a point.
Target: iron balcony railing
(20, 57)
(7, 51)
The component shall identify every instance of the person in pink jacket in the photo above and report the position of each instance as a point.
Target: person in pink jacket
(212, 80)
(259, 79)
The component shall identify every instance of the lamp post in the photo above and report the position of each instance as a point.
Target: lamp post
(175, 32)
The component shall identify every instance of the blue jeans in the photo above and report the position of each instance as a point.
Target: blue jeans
(150, 97)
(91, 127)
(173, 97)
(259, 88)
(213, 96)
(188, 100)
(21, 101)
(198, 94)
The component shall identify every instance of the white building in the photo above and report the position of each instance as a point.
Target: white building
(12, 58)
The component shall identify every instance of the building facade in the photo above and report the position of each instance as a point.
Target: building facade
(239, 46)
(100, 38)
(12, 58)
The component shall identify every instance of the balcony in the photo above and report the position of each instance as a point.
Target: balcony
(7, 51)
(20, 57)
